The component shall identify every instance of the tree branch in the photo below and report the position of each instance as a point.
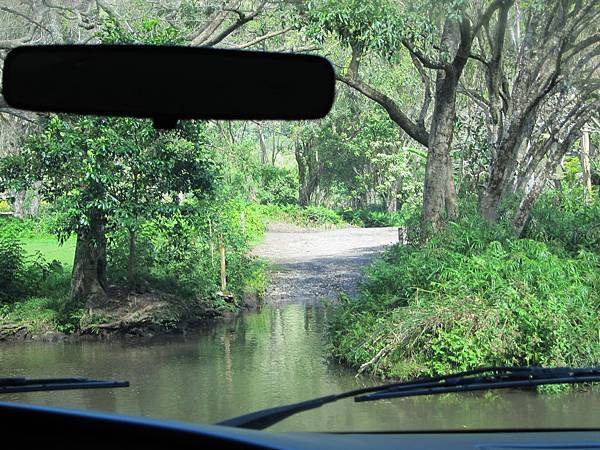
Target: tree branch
(418, 134)
(427, 94)
(478, 98)
(24, 16)
(197, 38)
(478, 57)
(264, 38)
(487, 14)
(242, 20)
(429, 63)
(352, 79)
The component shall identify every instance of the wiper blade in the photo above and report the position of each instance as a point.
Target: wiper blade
(489, 379)
(15, 384)
(472, 380)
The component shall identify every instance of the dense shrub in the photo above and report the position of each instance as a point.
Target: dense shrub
(41, 226)
(311, 216)
(24, 275)
(12, 267)
(278, 186)
(471, 297)
(372, 218)
(179, 253)
(565, 218)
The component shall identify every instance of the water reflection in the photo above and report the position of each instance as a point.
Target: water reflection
(262, 360)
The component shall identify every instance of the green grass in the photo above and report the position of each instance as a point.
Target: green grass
(51, 249)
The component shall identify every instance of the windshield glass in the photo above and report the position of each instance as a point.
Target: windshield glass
(444, 216)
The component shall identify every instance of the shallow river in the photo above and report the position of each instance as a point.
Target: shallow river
(260, 360)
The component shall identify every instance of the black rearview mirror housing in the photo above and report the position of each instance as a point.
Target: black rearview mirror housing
(168, 83)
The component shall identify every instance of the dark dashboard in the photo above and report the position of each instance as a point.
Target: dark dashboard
(70, 429)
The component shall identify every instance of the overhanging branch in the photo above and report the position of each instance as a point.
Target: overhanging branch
(264, 38)
(241, 21)
(396, 114)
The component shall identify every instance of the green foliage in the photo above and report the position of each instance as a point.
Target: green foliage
(12, 267)
(565, 219)
(33, 289)
(180, 253)
(38, 314)
(114, 167)
(311, 216)
(279, 186)
(39, 227)
(372, 25)
(469, 297)
(150, 31)
(372, 218)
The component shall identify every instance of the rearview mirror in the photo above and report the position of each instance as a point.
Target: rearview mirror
(167, 83)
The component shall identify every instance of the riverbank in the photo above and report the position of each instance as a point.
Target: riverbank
(297, 265)
(475, 295)
(137, 315)
(263, 359)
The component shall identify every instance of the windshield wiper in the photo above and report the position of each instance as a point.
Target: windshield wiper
(473, 380)
(15, 384)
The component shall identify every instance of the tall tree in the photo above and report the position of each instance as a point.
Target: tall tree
(540, 65)
(438, 36)
(104, 173)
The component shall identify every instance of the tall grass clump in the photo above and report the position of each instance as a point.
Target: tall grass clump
(471, 296)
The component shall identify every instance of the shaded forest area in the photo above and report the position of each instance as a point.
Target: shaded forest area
(471, 124)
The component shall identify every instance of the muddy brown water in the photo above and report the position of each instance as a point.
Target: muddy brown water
(263, 359)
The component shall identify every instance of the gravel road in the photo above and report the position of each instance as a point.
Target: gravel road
(311, 265)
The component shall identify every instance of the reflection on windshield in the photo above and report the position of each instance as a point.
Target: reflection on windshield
(444, 216)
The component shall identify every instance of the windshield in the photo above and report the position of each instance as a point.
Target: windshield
(444, 216)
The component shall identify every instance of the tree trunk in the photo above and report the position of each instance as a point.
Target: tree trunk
(303, 194)
(504, 166)
(391, 196)
(585, 165)
(439, 193)
(88, 279)
(539, 179)
(19, 204)
(263, 146)
(530, 197)
(309, 171)
(131, 260)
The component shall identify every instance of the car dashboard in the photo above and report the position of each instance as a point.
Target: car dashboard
(38, 426)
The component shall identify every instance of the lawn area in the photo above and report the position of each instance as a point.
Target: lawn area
(51, 249)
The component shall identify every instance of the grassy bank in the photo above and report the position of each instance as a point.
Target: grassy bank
(178, 273)
(476, 296)
(178, 268)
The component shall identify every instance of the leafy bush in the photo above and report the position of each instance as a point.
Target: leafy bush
(565, 219)
(311, 216)
(12, 267)
(372, 218)
(278, 186)
(180, 253)
(41, 226)
(465, 299)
